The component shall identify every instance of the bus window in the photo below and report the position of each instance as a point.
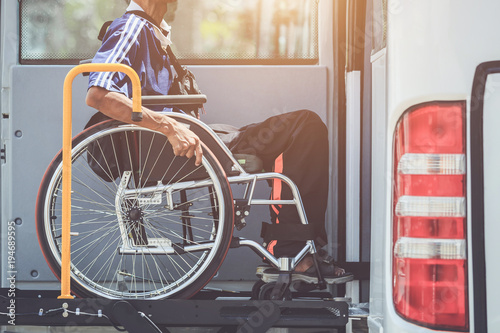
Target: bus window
(63, 31)
(247, 31)
(203, 32)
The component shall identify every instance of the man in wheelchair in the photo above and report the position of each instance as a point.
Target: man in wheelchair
(299, 147)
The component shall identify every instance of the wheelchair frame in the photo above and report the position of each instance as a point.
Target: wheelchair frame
(284, 264)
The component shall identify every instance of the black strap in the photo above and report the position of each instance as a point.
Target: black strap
(181, 71)
(292, 232)
(103, 30)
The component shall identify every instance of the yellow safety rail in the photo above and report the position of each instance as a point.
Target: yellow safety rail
(67, 136)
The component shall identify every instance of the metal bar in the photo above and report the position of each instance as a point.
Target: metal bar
(271, 202)
(165, 249)
(187, 185)
(66, 154)
(252, 188)
(273, 175)
(260, 250)
(118, 207)
(307, 249)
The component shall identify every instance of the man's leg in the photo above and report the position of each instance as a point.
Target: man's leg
(296, 144)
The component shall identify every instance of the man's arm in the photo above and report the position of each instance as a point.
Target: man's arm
(118, 106)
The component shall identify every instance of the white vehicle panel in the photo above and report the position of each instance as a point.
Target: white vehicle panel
(378, 274)
(433, 49)
(491, 141)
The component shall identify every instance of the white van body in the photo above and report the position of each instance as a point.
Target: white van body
(433, 51)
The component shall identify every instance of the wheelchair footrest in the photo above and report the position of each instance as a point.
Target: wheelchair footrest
(269, 274)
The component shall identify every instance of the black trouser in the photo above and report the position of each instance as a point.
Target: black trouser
(298, 139)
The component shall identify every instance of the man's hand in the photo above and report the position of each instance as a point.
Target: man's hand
(184, 141)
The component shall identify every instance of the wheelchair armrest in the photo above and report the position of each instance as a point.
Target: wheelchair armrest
(172, 100)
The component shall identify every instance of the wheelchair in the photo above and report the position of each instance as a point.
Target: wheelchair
(150, 225)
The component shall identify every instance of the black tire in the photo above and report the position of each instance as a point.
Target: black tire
(267, 289)
(164, 235)
(257, 286)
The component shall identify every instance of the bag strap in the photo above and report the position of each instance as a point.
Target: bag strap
(181, 71)
(103, 30)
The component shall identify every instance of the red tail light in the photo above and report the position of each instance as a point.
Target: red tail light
(429, 216)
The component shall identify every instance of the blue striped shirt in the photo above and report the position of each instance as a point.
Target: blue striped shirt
(131, 40)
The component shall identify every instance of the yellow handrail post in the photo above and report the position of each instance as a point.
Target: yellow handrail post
(66, 155)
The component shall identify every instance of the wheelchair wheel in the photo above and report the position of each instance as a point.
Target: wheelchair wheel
(145, 224)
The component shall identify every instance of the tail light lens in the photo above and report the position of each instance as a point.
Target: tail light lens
(429, 216)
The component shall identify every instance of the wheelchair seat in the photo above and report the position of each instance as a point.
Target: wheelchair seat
(250, 163)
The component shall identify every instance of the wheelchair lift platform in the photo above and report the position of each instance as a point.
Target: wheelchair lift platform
(208, 308)
(42, 308)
